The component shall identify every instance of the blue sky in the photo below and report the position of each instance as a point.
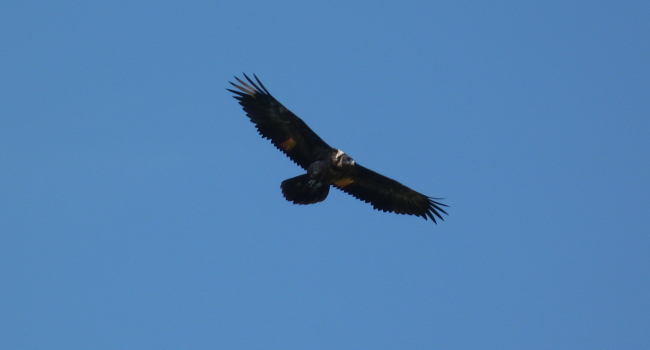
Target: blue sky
(140, 209)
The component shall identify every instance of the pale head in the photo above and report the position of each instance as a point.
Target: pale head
(340, 159)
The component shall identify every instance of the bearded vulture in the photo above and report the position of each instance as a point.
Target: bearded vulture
(325, 165)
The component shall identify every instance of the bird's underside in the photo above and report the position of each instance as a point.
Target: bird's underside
(325, 166)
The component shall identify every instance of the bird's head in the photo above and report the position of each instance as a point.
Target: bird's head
(340, 159)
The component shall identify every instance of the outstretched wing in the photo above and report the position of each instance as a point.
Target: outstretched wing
(275, 122)
(387, 194)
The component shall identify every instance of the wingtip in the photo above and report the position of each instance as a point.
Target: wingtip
(257, 85)
(435, 209)
(261, 85)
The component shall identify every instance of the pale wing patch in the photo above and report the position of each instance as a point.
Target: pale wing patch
(247, 89)
(289, 144)
(343, 182)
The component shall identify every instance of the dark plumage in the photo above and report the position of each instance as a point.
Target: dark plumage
(325, 165)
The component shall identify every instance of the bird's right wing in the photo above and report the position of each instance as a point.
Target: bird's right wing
(275, 122)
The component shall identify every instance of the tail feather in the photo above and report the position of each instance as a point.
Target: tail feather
(299, 190)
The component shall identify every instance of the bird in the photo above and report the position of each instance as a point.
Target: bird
(325, 166)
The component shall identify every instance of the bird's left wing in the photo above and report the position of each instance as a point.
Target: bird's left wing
(386, 194)
(275, 122)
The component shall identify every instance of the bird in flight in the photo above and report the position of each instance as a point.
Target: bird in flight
(325, 166)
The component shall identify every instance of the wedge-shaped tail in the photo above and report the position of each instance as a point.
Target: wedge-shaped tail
(302, 190)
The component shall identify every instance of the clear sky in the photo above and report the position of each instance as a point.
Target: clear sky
(139, 209)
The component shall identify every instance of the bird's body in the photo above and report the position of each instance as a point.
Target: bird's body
(313, 187)
(326, 166)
